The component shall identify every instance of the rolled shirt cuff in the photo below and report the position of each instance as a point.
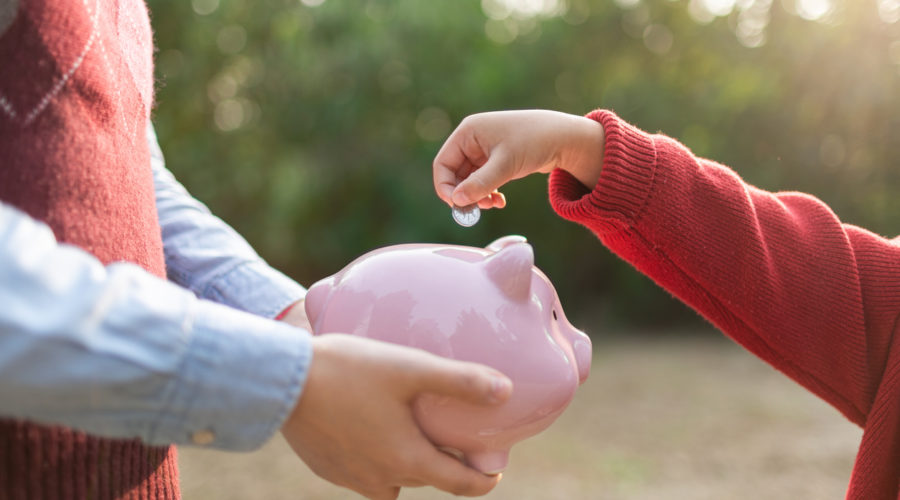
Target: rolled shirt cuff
(255, 287)
(239, 379)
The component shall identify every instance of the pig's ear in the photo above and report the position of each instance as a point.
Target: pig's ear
(505, 241)
(316, 298)
(510, 269)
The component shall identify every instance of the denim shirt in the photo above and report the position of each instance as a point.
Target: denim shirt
(117, 352)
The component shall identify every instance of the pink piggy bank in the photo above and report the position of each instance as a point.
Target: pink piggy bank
(490, 306)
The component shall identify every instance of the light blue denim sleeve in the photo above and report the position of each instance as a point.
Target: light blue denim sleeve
(117, 352)
(207, 256)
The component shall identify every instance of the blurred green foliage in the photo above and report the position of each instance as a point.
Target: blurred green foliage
(311, 125)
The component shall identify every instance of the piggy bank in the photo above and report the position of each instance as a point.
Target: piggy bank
(486, 305)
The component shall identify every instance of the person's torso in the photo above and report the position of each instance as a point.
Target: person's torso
(76, 88)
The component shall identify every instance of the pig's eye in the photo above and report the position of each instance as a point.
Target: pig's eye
(554, 314)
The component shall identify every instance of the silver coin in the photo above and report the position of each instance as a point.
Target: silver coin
(466, 216)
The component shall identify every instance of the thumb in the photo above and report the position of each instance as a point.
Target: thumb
(480, 183)
(470, 382)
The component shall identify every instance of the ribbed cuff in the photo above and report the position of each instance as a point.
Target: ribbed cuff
(625, 184)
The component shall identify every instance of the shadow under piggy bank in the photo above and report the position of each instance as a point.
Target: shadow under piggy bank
(485, 305)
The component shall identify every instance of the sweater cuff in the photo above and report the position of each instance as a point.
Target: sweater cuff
(626, 180)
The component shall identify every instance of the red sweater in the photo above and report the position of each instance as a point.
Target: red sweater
(76, 87)
(777, 272)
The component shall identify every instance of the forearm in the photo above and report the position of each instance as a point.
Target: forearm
(777, 272)
(207, 256)
(117, 352)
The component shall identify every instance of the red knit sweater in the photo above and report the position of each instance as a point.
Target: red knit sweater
(75, 93)
(777, 272)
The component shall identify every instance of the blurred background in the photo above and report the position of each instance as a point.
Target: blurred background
(310, 125)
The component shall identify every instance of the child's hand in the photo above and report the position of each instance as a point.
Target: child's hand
(354, 425)
(487, 150)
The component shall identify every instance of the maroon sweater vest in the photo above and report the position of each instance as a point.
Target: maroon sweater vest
(76, 87)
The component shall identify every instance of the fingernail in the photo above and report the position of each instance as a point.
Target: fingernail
(460, 199)
(447, 192)
(501, 387)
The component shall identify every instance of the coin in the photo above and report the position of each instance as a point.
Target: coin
(466, 216)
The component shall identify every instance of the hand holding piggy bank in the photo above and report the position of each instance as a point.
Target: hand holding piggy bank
(489, 306)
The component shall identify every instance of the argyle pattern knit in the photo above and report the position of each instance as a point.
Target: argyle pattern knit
(76, 88)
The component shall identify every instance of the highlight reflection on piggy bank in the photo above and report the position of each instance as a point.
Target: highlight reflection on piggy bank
(490, 306)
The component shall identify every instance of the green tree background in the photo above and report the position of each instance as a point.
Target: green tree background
(310, 126)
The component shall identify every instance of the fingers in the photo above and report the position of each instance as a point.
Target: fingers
(377, 452)
(484, 181)
(464, 154)
(388, 494)
(495, 200)
(444, 180)
(449, 474)
(414, 371)
(469, 382)
(391, 493)
(498, 199)
(454, 161)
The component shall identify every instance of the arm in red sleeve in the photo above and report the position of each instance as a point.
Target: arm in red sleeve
(777, 272)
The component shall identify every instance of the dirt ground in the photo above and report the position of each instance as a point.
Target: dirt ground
(660, 418)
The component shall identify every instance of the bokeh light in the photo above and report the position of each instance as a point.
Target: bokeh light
(889, 10)
(522, 9)
(311, 125)
(658, 38)
(204, 7)
(231, 39)
(433, 124)
(814, 10)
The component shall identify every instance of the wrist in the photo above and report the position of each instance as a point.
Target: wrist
(583, 155)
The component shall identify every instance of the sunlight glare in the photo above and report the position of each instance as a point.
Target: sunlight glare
(522, 9)
(719, 8)
(752, 23)
(814, 10)
(706, 11)
(628, 4)
(889, 10)
(698, 11)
